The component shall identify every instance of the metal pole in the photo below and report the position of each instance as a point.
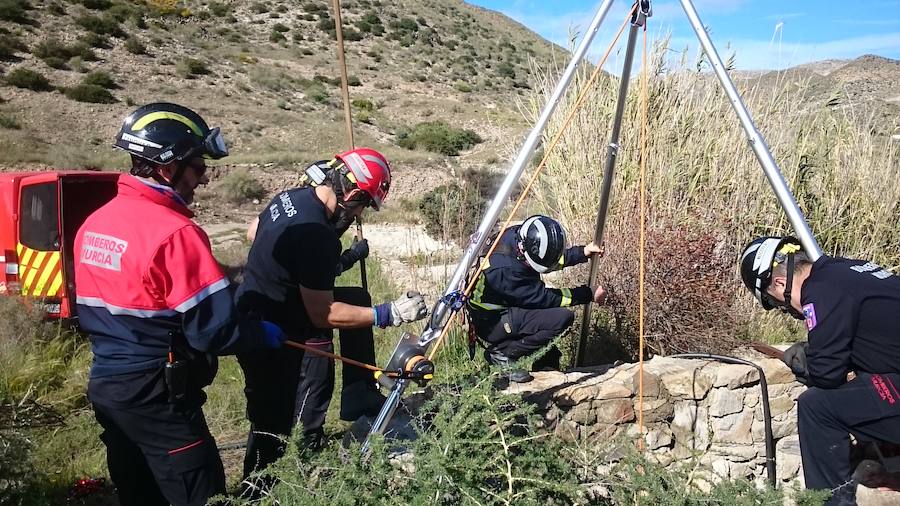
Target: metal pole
(348, 119)
(612, 154)
(440, 311)
(756, 140)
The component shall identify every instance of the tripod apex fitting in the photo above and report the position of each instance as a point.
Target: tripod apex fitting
(642, 11)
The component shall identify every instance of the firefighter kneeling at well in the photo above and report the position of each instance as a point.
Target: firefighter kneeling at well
(852, 313)
(511, 309)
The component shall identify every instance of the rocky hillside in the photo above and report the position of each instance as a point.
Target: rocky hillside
(264, 71)
(866, 86)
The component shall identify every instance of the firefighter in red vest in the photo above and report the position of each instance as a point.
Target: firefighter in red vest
(158, 310)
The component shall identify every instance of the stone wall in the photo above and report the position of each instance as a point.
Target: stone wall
(695, 411)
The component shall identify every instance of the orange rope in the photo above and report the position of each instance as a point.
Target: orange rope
(579, 100)
(643, 218)
(323, 353)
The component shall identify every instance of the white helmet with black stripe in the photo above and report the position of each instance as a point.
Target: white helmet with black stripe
(542, 241)
(757, 262)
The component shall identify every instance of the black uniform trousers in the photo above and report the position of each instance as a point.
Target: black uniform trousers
(867, 407)
(285, 385)
(160, 453)
(517, 332)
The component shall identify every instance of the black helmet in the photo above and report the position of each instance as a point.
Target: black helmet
(543, 241)
(758, 260)
(162, 133)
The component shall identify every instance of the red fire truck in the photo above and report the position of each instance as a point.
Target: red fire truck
(40, 212)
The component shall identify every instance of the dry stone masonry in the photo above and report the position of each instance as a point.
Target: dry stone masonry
(699, 412)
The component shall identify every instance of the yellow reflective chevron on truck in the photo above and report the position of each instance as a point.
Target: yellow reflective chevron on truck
(40, 272)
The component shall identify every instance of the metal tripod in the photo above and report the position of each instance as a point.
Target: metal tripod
(410, 345)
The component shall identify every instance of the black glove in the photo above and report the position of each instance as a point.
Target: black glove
(795, 358)
(357, 251)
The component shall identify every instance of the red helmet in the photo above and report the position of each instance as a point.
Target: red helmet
(371, 172)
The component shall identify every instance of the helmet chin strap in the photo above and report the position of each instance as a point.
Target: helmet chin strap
(787, 307)
(341, 219)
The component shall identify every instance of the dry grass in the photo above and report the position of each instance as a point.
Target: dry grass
(707, 194)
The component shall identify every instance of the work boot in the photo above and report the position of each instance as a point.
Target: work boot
(314, 440)
(360, 398)
(497, 357)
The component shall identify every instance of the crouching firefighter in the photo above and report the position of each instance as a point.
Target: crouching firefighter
(290, 279)
(512, 310)
(158, 309)
(852, 313)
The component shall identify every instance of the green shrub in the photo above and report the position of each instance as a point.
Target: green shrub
(28, 79)
(15, 11)
(76, 63)
(314, 7)
(100, 78)
(438, 137)
(51, 50)
(371, 18)
(83, 50)
(259, 7)
(334, 81)
(90, 93)
(316, 92)
(97, 5)
(363, 27)
(276, 36)
(56, 9)
(218, 9)
(352, 35)
(405, 24)
(189, 68)
(96, 40)
(363, 104)
(9, 122)
(134, 46)
(10, 45)
(506, 70)
(325, 24)
(279, 27)
(56, 63)
(239, 186)
(453, 211)
(100, 25)
(353, 81)
(462, 86)
(122, 12)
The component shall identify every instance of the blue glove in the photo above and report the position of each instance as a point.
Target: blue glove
(274, 336)
(383, 315)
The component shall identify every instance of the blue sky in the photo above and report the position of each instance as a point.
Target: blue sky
(765, 34)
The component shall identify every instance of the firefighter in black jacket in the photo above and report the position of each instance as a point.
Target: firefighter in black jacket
(290, 279)
(511, 309)
(852, 313)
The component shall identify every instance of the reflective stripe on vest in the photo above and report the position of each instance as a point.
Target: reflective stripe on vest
(475, 300)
